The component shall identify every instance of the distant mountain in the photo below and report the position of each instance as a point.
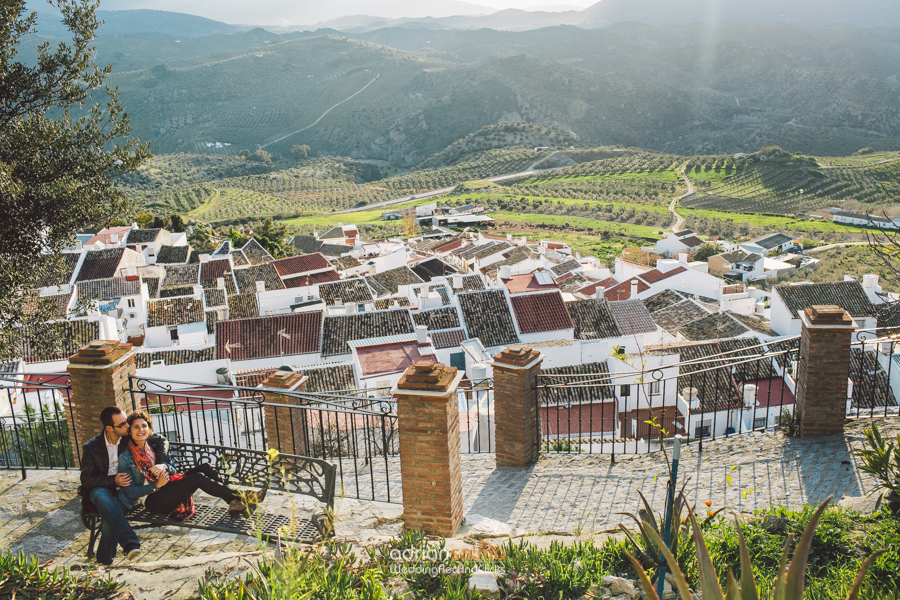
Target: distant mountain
(119, 22)
(403, 95)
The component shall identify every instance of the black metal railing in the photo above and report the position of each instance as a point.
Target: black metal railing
(476, 416)
(874, 373)
(36, 422)
(701, 391)
(354, 429)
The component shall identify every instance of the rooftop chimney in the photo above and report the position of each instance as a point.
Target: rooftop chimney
(422, 334)
(749, 395)
(509, 237)
(114, 238)
(505, 272)
(220, 282)
(683, 258)
(634, 289)
(457, 282)
(870, 280)
(600, 292)
(204, 258)
(260, 286)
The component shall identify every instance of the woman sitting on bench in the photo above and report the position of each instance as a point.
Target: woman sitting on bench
(153, 480)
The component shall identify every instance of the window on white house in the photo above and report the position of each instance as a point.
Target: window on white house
(131, 303)
(703, 429)
(760, 423)
(625, 390)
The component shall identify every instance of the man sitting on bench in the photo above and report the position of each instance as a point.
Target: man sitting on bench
(99, 478)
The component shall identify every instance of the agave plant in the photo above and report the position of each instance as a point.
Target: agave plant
(882, 460)
(644, 545)
(789, 581)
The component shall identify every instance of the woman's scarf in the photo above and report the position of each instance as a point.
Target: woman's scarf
(183, 511)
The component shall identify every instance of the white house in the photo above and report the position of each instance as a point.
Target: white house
(774, 243)
(788, 301)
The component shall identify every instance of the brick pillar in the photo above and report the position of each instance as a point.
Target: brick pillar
(285, 428)
(821, 401)
(99, 373)
(517, 422)
(428, 421)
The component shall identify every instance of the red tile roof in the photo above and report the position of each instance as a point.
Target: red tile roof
(656, 275)
(258, 337)
(623, 290)
(313, 279)
(518, 284)
(541, 312)
(212, 270)
(389, 358)
(453, 245)
(606, 284)
(103, 235)
(297, 265)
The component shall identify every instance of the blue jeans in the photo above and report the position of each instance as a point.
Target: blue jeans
(115, 530)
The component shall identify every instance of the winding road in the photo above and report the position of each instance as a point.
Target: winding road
(531, 170)
(678, 223)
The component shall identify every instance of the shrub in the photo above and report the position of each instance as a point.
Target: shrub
(881, 459)
(24, 577)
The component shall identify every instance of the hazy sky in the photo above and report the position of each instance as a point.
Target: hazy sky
(307, 12)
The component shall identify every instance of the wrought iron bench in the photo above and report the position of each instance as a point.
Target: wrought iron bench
(287, 472)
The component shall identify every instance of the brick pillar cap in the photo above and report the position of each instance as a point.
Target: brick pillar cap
(430, 377)
(516, 356)
(827, 316)
(286, 380)
(100, 353)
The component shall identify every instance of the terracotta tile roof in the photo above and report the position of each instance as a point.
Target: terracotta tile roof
(174, 311)
(691, 241)
(468, 253)
(565, 267)
(774, 239)
(214, 298)
(311, 279)
(175, 291)
(340, 329)
(451, 338)
(623, 290)
(182, 275)
(212, 317)
(752, 322)
(572, 282)
(387, 358)
(576, 394)
(255, 253)
(447, 247)
(849, 295)
(230, 286)
(298, 265)
(173, 255)
(487, 316)
(489, 250)
(713, 327)
(386, 303)
(214, 269)
(258, 337)
(662, 300)
(472, 283)
(512, 257)
(56, 305)
(100, 264)
(429, 269)
(655, 275)
(632, 317)
(438, 318)
(740, 256)
(174, 357)
(247, 278)
(143, 236)
(519, 284)
(715, 387)
(343, 263)
(442, 290)
(392, 279)
(541, 312)
(63, 275)
(325, 378)
(243, 306)
(36, 343)
(306, 244)
(104, 235)
(114, 287)
(592, 320)
(590, 290)
(152, 286)
(348, 290)
(674, 316)
(737, 288)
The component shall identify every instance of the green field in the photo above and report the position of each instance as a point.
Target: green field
(779, 222)
(651, 233)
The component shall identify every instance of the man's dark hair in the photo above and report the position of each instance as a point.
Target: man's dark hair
(107, 414)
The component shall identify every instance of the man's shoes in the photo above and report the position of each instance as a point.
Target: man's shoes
(237, 506)
(133, 553)
(255, 497)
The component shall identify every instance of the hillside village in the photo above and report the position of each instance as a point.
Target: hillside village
(356, 314)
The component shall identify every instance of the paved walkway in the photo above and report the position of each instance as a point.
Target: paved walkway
(572, 494)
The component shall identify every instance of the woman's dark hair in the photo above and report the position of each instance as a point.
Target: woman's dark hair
(140, 414)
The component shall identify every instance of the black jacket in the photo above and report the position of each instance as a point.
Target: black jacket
(95, 460)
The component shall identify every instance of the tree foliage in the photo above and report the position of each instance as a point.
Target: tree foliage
(61, 150)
